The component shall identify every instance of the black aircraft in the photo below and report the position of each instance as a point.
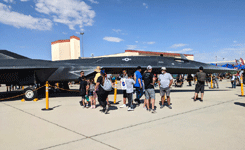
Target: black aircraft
(19, 70)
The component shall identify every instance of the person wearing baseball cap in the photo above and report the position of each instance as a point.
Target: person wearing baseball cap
(165, 80)
(201, 78)
(149, 81)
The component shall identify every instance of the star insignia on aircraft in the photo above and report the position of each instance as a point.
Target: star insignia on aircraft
(126, 59)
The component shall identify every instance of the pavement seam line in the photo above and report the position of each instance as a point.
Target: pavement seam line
(63, 144)
(182, 113)
(86, 137)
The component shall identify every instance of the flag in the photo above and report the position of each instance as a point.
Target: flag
(242, 62)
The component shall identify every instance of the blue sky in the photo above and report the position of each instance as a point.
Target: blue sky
(205, 28)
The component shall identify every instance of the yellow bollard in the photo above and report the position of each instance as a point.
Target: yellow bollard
(211, 82)
(22, 98)
(242, 92)
(47, 102)
(47, 98)
(115, 92)
(35, 99)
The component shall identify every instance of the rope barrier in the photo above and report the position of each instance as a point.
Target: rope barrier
(20, 94)
(64, 89)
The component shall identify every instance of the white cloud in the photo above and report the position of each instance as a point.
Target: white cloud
(146, 6)
(71, 13)
(94, 2)
(8, 1)
(112, 39)
(234, 41)
(19, 20)
(181, 51)
(186, 49)
(136, 41)
(132, 47)
(117, 30)
(178, 45)
(227, 53)
(64, 32)
(24, 0)
(150, 43)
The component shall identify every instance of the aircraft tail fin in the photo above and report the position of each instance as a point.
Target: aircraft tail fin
(182, 56)
(4, 54)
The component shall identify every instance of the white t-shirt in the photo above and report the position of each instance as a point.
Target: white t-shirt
(123, 83)
(165, 79)
(130, 85)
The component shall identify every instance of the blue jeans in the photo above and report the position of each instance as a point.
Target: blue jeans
(233, 84)
(139, 93)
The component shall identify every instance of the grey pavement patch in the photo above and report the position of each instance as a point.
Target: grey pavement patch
(163, 118)
(61, 127)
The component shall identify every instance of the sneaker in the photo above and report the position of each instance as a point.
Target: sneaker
(161, 106)
(87, 105)
(102, 110)
(169, 107)
(84, 106)
(106, 109)
(130, 109)
(145, 108)
(201, 100)
(124, 105)
(153, 111)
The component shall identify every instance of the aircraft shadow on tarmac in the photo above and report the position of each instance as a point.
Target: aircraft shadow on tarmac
(240, 104)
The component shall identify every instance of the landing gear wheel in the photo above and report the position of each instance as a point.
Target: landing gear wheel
(30, 94)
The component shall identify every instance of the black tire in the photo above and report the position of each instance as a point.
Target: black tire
(30, 94)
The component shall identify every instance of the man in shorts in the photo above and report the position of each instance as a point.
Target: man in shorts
(165, 81)
(201, 77)
(149, 82)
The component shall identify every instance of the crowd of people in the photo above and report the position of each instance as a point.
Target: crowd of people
(100, 86)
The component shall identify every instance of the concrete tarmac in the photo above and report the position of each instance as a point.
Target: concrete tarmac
(216, 123)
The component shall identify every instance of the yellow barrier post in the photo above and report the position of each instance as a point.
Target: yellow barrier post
(115, 92)
(22, 98)
(242, 92)
(211, 82)
(47, 98)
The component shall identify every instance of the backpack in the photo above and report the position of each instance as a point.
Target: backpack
(107, 85)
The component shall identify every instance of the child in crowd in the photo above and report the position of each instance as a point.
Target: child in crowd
(129, 90)
(91, 93)
(233, 81)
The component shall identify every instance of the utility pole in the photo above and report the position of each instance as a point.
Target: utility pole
(82, 33)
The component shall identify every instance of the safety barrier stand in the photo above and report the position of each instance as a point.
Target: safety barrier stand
(22, 100)
(211, 86)
(242, 92)
(115, 92)
(47, 99)
(35, 99)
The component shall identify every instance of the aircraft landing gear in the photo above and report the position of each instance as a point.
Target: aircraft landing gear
(30, 94)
